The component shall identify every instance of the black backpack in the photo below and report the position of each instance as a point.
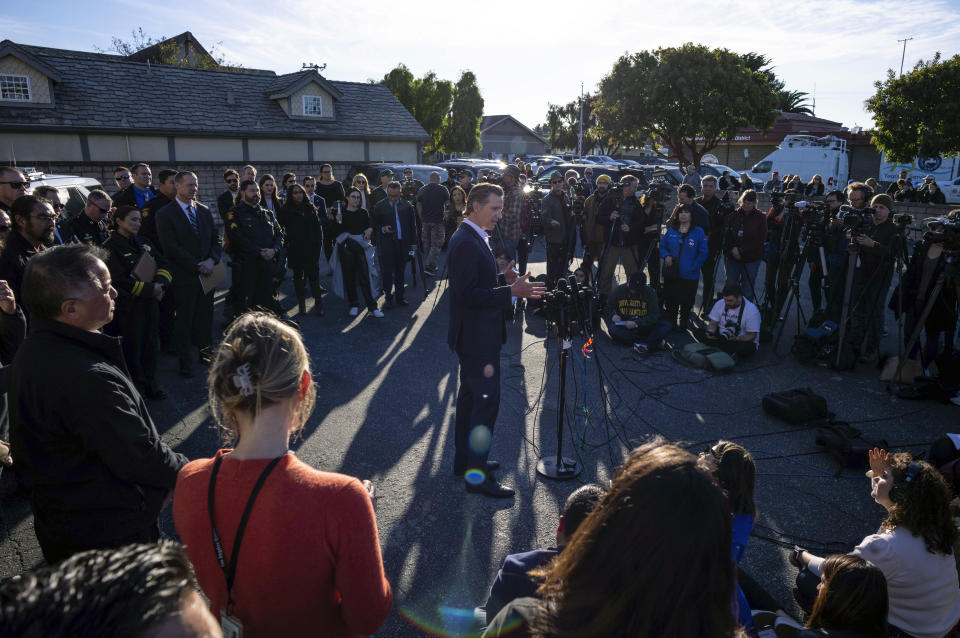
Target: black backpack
(801, 406)
(847, 445)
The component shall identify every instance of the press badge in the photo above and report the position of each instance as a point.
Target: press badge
(231, 626)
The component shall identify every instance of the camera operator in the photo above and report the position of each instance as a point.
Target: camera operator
(625, 227)
(878, 246)
(509, 224)
(773, 184)
(648, 242)
(734, 325)
(746, 232)
(717, 216)
(926, 266)
(633, 315)
(835, 249)
(595, 237)
(685, 195)
(557, 221)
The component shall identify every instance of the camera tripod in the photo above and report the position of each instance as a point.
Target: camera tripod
(793, 293)
(948, 277)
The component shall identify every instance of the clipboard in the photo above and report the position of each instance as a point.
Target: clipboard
(214, 279)
(146, 268)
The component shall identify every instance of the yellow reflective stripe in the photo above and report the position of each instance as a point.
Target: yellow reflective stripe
(137, 287)
(165, 274)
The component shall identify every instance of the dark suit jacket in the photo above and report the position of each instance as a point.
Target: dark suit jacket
(127, 197)
(182, 248)
(383, 215)
(225, 202)
(478, 296)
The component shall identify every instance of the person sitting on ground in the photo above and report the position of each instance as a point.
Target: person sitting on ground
(734, 324)
(145, 591)
(913, 547)
(732, 466)
(309, 556)
(851, 602)
(513, 580)
(620, 575)
(633, 315)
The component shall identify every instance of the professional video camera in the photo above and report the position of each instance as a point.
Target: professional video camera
(533, 198)
(490, 177)
(570, 306)
(943, 230)
(578, 190)
(902, 220)
(408, 189)
(812, 213)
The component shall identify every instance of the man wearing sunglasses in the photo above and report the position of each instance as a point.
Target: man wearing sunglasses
(90, 226)
(33, 224)
(51, 195)
(139, 192)
(121, 176)
(228, 198)
(12, 185)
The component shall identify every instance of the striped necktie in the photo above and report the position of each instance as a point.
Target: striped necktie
(192, 216)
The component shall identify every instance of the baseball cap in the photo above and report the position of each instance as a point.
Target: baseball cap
(637, 280)
(386, 172)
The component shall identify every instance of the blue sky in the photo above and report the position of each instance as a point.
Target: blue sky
(528, 54)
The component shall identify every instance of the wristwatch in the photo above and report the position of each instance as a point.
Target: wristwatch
(796, 557)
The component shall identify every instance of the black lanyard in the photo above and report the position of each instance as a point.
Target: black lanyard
(230, 571)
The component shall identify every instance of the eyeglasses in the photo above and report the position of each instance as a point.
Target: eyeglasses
(232, 181)
(121, 178)
(57, 207)
(16, 185)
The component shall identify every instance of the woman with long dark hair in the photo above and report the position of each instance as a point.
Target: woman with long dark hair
(304, 241)
(136, 315)
(913, 547)
(352, 231)
(652, 560)
(853, 598)
(268, 193)
(684, 250)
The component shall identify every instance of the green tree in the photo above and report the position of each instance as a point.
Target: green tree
(462, 133)
(428, 99)
(685, 99)
(563, 124)
(918, 114)
(168, 52)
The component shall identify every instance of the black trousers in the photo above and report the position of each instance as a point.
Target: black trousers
(353, 264)
(556, 263)
(193, 324)
(55, 549)
(393, 259)
(679, 294)
(307, 271)
(741, 349)
(523, 254)
(648, 247)
(139, 331)
(478, 402)
(168, 308)
(709, 272)
(255, 284)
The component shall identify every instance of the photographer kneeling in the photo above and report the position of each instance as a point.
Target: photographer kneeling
(633, 315)
(734, 324)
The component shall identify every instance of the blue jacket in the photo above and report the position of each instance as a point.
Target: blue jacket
(694, 252)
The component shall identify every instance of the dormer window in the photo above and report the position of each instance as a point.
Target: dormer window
(15, 88)
(313, 105)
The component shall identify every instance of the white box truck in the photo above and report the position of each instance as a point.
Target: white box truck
(945, 170)
(806, 156)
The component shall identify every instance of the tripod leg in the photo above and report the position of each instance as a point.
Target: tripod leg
(844, 316)
(920, 322)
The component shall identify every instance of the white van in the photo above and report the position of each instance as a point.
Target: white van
(806, 156)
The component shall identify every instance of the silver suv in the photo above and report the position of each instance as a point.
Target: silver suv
(73, 189)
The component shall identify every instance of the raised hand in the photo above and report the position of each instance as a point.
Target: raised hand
(527, 289)
(880, 460)
(8, 302)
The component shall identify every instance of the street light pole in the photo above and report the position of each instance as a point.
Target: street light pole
(902, 57)
(580, 136)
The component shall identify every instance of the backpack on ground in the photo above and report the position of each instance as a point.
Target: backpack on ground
(847, 445)
(800, 406)
(700, 355)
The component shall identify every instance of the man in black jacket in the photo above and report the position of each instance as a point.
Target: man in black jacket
(166, 192)
(191, 245)
(86, 449)
(139, 192)
(90, 226)
(712, 204)
(228, 198)
(395, 230)
(33, 225)
(255, 237)
(626, 221)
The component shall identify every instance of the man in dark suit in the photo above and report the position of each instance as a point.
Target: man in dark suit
(396, 233)
(139, 192)
(227, 198)
(191, 245)
(479, 295)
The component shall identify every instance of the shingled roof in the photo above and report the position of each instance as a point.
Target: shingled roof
(101, 93)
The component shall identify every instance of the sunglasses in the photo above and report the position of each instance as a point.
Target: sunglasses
(232, 181)
(16, 185)
(123, 178)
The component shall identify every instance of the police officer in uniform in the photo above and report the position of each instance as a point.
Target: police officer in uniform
(255, 238)
(166, 191)
(90, 226)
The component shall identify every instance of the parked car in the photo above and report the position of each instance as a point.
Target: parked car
(372, 171)
(615, 173)
(717, 170)
(73, 189)
(604, 159)
(474, 167)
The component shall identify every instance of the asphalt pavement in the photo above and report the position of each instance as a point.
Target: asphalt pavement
(385, 407)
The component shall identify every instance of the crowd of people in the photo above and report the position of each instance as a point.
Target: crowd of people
(105, 292)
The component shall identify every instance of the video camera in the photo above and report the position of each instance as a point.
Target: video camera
(857, 220)
(408, 189)
(578, 190)
(570, 306)
(812, 213)
(943, 230)
(490, 177)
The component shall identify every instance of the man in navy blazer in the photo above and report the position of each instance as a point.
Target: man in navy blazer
(479, 295)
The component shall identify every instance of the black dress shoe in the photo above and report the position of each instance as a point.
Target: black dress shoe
(388, 305)
(492, 466)
(490, 488)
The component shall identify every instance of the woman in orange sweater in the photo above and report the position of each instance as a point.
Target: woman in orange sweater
(279, 548)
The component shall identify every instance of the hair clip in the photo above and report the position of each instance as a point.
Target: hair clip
(243, 381)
